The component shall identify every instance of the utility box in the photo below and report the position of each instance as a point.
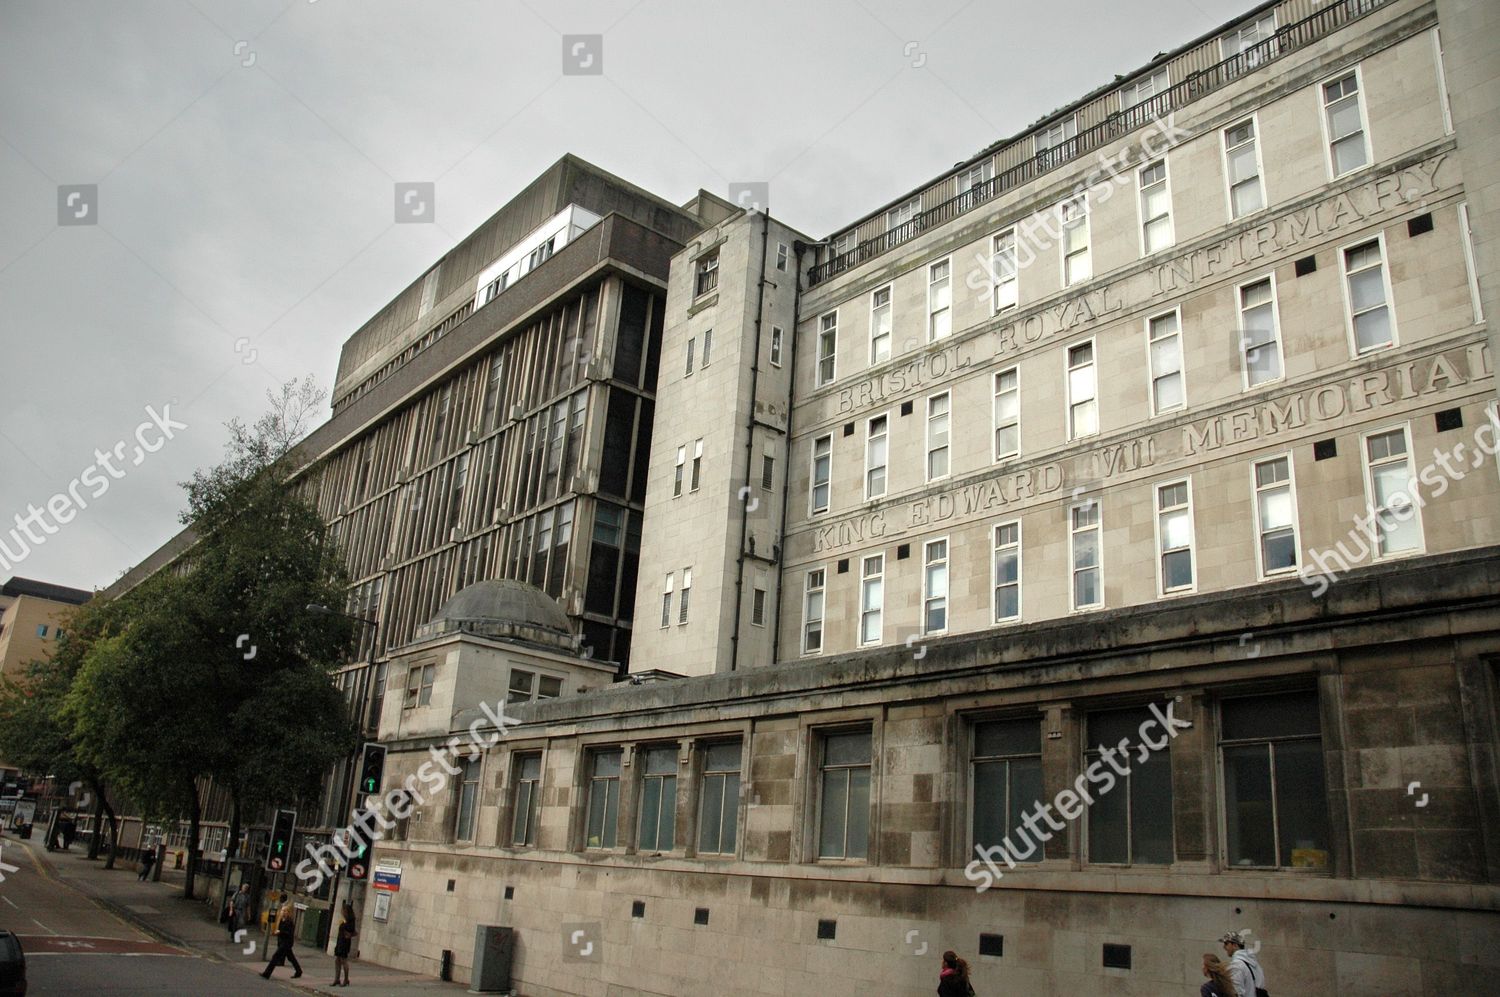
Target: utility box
(493, 946)
(310, 925)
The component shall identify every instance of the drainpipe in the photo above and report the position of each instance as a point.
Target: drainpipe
(791, 373)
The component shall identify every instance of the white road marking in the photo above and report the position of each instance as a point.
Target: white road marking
(9, 901)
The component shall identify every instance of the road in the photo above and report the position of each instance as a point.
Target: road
(74, 946)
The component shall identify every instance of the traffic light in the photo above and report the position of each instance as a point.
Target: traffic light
(279, 852)
(359, 847)
(371, 768)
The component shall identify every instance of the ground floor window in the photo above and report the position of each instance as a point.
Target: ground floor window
(1275, 802)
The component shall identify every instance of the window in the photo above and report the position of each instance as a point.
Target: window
(719, 799)
(708, 346)
(876, 437)
(1008, 413)
(526, 804)
(468, 799)
(1368, 296)
(1083, 389)
(939, 301)
(1275, 806)
(1052, 142)
(1006, 769)
(604, 800)
(1275, 515)
(937, 436)
(682, 601)
(842, 243)
(1174, 535)
(828, 344)
(844, 796)
(707, 275)
(1083, 543)
(903, 214)
(1345, 120)
(1131, 824)
(456, 492)
(658, 825)
(767, 472)
(1005, 270)
(548, 687)
(521, 684)
(666, 600)
(492, 390)
(1259, 341)
(1008, 572)
(812, 612)
(976, 176)
(41, 630)
(1156, 207)
(783, 254)
(935, 586)
(1397, 523)
(1144, 89)
(758, 607)
(871, 597)
(689, 368)
(880, 325)
(419, 685)
(1242, 167)
(697, 474)
(822, 469)
(1244, 39)
(776, 335)
(1074, 216)
(1164, 344)
(440, 419)
(677, 474)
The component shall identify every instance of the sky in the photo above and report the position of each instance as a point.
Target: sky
(197, 199)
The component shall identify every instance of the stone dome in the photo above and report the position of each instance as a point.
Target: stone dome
(503, 608)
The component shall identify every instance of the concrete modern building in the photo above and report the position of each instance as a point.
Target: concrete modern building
(1087, 552)
(32, 617)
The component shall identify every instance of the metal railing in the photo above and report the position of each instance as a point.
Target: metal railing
(1198, 84)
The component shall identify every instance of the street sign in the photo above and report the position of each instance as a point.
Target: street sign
(279, 851)
(388, 881)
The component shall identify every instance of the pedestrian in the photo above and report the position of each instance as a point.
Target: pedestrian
(147, 861)
(286, 930)
(1244, 968)
(1218, 983)
(348, 929)
(953, 978)
(237, 909)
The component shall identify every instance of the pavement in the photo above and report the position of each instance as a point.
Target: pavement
(159, 910)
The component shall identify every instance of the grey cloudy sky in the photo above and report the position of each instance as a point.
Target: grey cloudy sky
(245, 154)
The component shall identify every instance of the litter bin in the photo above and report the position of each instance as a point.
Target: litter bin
(310, 926)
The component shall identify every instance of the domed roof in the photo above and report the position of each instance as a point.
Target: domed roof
(504, 602)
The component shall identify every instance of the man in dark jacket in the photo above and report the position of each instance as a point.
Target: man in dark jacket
(286, 930)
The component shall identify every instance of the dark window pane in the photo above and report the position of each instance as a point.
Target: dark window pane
(650, 813)
(1109, 826)
(1247, 805)
(1286, 715)
(990, 780)
(731, 814)
(831, 813)
(1108, 728)
(709, 814)
(619, 427)
(859, 813)
(1301, 804)
(1150, 809)
(1025, 794)
(848, 749)
(631, 340)
(1008, 737)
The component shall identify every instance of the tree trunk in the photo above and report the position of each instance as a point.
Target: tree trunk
(195, 818)
(232, 849)
(114, 830)
(98, 835)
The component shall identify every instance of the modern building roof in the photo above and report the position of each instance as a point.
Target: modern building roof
(18, 586)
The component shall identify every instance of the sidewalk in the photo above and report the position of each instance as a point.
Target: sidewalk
(160, 910)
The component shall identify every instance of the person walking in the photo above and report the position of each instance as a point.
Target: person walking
(953, 978)
(1218, 983)
(1244, 968)
(348, 930)
(286, 930)
(239, 909)
(147, 861)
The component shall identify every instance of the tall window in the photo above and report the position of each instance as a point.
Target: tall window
(1260, 343)
(707, 274)
(880, 325)
(876, 439)
(492, 393)
(1275, 515)
(468, 799)
(708, 346)
(1006, 768)
(976, 176)
(690, 345)
(844, 796)
(456, 491)
(658, 824)
(440, 419)
(1347, 149)
(526, 805)
(604, 800)
(939, 301)
(697, 474)
(935, 586)
(419, 681)
(1074, 216)
(903, 214)
(828, 345)
(871, 598)
(1144, 89)
(1369, 297)
(1006, 271)
(776, 337)
(1131, 824)
(666, 600)
(783, 254)
(1174, 534)
(677, 473)
(1275, 804)
(1164, 341)
(1007, 572)
(1156, 208)
(719, 799)
(812, 612)
(822, 470)
(1007, 413)
(1398, 524)
(937, 436)
(767, 469)
(1245, 39)
(1084, 547)
(682, 600)
(1242, 165)
(1083, 391)
(758, 606)
(1052, 142)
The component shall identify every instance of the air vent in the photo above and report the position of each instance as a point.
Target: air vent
(1307, 265)
(1420, 225)
(991, 945)
(510, 893)
(1116, 956)
(903, 551)
(700, 915)
(638, 908)
(844, 566)
(827, 929)
(848, 429)
(1324, 449)
(906, 408)
(1449, 418)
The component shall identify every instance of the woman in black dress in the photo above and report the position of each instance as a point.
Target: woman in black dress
(348, 928)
